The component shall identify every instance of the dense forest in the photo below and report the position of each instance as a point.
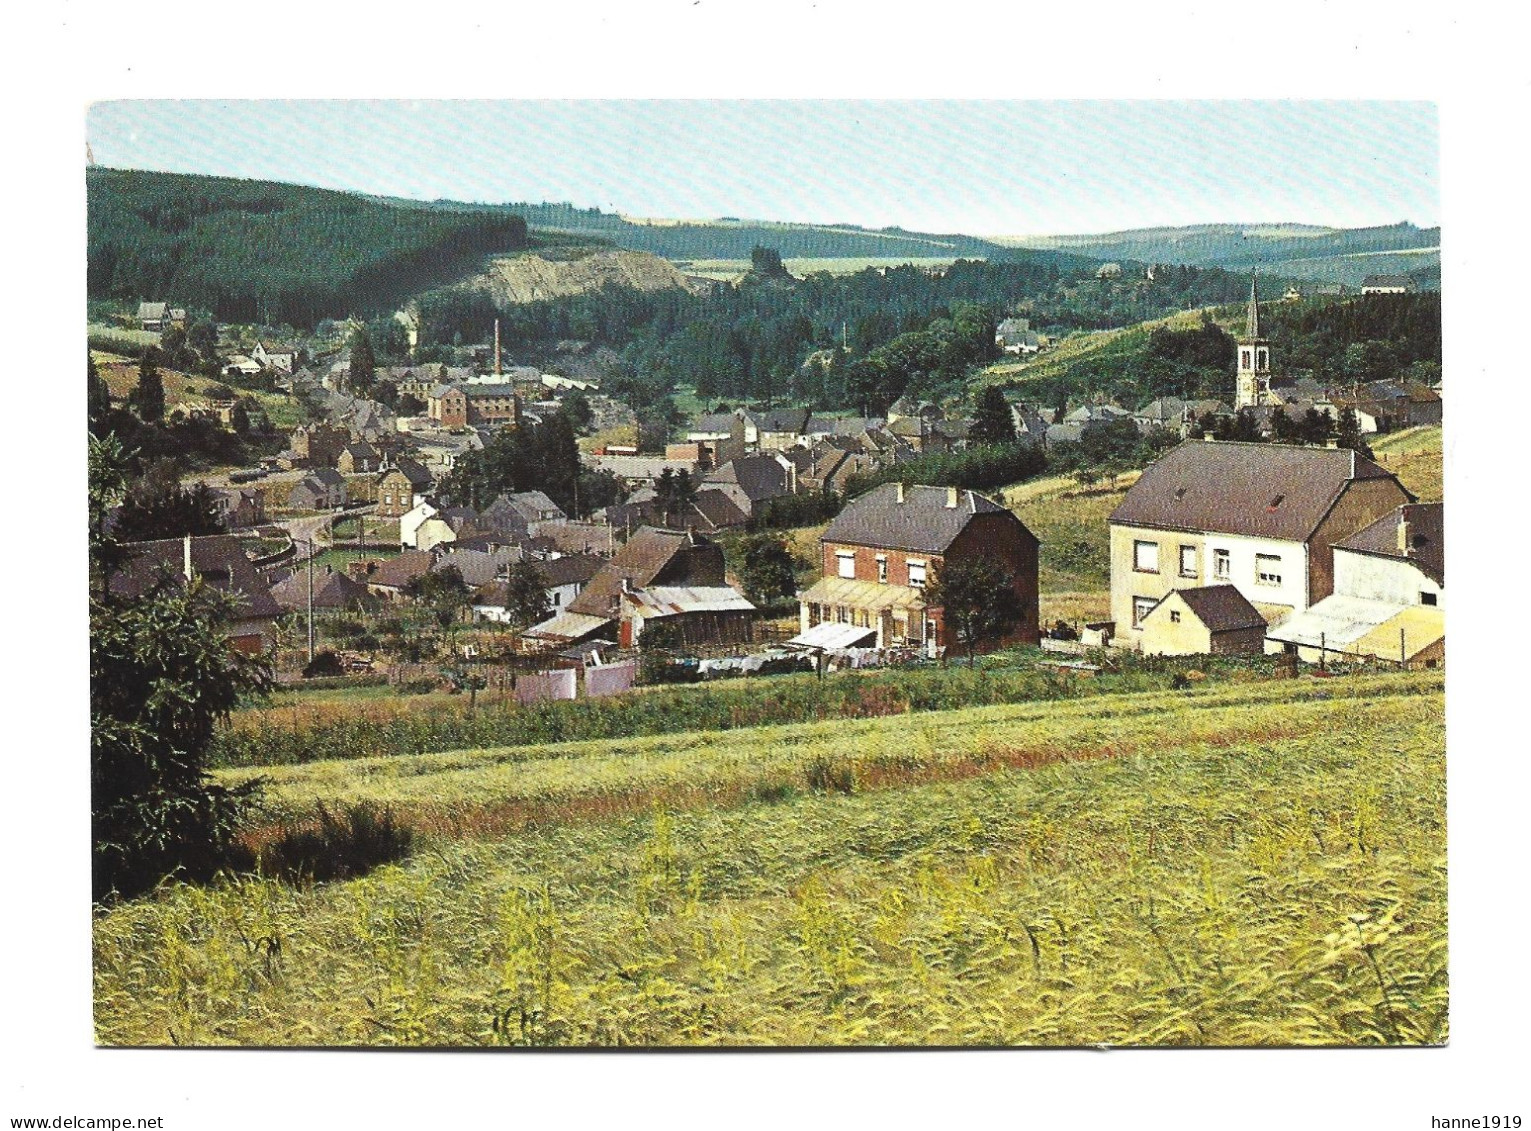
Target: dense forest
(257, 251)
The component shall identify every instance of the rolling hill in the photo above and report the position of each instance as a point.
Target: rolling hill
(258, 250)
(1343, 255)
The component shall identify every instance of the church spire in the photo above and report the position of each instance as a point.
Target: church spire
(1252, 323)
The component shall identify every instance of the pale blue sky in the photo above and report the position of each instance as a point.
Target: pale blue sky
(983, 168)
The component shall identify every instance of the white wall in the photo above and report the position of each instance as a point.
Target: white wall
(1292, 591)
(1383, 579)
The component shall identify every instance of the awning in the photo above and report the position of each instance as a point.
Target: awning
(831, 635)
(863, 595)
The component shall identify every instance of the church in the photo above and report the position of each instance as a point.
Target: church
(1253, 388)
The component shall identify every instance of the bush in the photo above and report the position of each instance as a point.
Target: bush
(325, 663)
(340, 847)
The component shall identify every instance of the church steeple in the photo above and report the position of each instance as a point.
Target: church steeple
(1254, 376)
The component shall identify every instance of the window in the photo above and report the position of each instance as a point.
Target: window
(1222, 566)
(842, 614)
(1145, 557)
(1264, 358)
(1244, 359)
(1140, 608)
(846, 561)
(1174, 616)
(1427, 598)
(917, 575)
(1267, 569)
(1188, 561)
(882, 569)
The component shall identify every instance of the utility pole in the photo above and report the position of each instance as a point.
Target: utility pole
(310, 601)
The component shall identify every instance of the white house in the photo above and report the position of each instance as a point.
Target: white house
(1263, 518)
(410, 522)
(1389, 595)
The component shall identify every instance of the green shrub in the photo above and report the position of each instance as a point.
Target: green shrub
(338, 847)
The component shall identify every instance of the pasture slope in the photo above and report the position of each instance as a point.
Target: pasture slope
(1203, 866)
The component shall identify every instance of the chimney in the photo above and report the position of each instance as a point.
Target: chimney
(900, 492)
(186, 557)
(496, 347)
(951, 498)
(1403, 533)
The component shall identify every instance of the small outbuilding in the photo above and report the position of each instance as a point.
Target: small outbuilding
(1209, 620)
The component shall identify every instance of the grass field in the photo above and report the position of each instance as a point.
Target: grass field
(1414, 455)
(1197, 867)
(121, 376)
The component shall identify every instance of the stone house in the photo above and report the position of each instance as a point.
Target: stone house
(321, 489)
(399, 486)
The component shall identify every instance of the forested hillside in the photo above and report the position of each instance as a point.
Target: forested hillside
(728, 238)
(259, 251)
(903, 329)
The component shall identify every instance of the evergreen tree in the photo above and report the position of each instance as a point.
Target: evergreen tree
(98, 400)
(363, 363)
(993, 422)
(148, 396)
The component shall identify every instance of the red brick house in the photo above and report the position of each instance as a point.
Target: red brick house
(887, 546)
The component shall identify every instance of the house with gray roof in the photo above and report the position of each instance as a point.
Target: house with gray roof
(1262, 517)
(887, 547)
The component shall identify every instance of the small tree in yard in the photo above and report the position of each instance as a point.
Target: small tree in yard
(162, 677)
(526, 595)
(766, 569)
(977, 598)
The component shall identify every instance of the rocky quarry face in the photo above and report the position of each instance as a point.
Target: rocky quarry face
(529, 278)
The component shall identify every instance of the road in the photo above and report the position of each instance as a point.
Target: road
(311, 532)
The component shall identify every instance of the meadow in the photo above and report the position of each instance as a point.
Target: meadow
(1205, 865)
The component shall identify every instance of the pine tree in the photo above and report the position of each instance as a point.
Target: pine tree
(993, 422)
(148, 396)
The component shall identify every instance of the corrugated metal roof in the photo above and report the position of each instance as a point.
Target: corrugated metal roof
(832, 635)
(863, 594)
(667, 601)
(1335, 622)
(567, 626)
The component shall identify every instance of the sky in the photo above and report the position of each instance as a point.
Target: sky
(975, 167)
